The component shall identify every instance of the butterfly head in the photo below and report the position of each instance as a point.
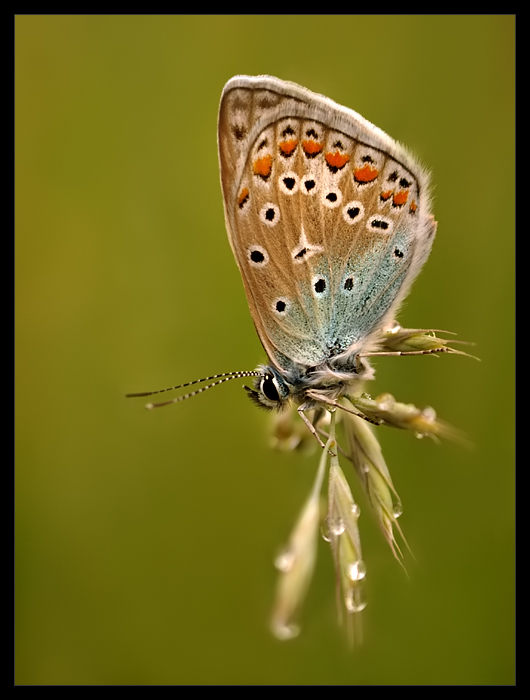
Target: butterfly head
(271, 391)
(274, 390)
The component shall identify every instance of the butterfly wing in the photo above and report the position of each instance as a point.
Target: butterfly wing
(328, 218)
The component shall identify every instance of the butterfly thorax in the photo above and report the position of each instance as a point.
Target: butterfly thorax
(275, 389)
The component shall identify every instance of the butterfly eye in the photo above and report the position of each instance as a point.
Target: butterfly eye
(269, 389)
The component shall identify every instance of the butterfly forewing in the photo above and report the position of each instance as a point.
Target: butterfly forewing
(327, 217)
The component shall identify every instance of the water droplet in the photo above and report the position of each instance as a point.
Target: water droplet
(355, 510)
(337, 527)
(324, 533)
(283, 631)
(397, 509)
(357, 570)
(353, 601)
(284, 561)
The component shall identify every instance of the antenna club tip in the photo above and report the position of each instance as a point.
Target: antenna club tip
(149, 406)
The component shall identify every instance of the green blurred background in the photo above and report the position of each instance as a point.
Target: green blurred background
(145, 540)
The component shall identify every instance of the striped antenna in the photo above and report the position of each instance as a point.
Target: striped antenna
(220, 378)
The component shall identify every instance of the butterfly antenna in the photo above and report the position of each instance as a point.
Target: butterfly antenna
(220, 379)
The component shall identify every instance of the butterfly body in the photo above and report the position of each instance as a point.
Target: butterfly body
(329, 221)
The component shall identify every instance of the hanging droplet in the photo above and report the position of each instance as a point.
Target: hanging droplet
(353, 602)
(282, 631)
(337, 527)
(357, 570)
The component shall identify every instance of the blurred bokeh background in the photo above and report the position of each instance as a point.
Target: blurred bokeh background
(144, 540)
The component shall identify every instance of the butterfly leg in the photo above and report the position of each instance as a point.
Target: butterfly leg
(336, 404)
(301, 412)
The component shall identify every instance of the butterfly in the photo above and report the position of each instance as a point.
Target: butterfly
(329, 221)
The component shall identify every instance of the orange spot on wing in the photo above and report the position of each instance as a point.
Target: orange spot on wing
(413, 207)
(366, 173)
(386, 195)
(337, 159)
(400, 198)
(263, 166)
(243, 196)
(312, 148)
(287, 147)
